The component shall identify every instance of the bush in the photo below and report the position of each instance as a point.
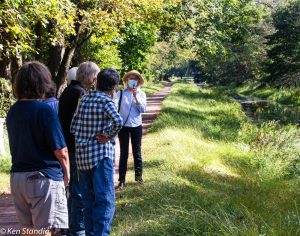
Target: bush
(275, 148)
(6, 96)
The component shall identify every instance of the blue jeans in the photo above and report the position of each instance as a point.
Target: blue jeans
(97, 187)
(75, 205)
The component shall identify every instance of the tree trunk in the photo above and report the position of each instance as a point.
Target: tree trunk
(56, 54)
(16, 64)
(5, 68)
(38, 41)
(64, 66)
(68, 55)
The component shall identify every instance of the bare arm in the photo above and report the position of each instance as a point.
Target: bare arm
(62, 156)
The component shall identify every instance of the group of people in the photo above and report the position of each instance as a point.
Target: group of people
(63, 150)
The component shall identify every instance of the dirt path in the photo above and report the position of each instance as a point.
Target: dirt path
(8, 220)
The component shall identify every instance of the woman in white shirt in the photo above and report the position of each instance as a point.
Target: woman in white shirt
(131, 105)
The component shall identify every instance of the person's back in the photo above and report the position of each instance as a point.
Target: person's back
(95, 125)
(40, 163)
(68, 102)
(31, 148)
(93, 118)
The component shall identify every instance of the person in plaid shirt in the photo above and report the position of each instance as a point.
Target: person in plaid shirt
(95, 126)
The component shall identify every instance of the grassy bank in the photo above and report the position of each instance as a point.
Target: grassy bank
(284, 96)
(151, 88)
(205, 176)
(282, 104)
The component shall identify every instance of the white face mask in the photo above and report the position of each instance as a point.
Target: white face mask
(132, 83)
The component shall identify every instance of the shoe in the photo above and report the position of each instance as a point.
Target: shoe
(121, 185)
(140, 182)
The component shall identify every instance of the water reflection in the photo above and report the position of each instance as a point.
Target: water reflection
(264, 110)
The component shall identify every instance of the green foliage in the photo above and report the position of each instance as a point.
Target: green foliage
(169, 59)
(138, 39)
(6, 97)
(284, 55)
(275, 147)
(100, 50)
(226, 40)
(19, 18)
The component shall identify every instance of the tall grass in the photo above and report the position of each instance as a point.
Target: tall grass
(200, 177)
(283, 106)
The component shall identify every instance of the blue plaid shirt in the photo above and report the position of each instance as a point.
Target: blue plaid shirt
(96, 114)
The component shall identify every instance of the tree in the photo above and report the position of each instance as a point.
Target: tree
(21, 25)
(283, 63)
(137, 41)
(54, 31)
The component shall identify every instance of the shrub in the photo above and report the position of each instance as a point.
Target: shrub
(275, 148)
(6, 96)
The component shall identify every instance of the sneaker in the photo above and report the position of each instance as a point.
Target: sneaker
(140, 182)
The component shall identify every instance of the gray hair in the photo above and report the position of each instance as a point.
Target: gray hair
(71, 75)
(87, 72)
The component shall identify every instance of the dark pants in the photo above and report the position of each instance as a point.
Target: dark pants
(75, 205)
(98, 192)
(136, 141)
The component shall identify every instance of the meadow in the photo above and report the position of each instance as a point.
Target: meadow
(209, 170)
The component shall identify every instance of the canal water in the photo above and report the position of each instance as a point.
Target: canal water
(264, 110)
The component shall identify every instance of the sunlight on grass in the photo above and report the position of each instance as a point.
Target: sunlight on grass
(199, 180)
(5, 165)
(4, 183)
(151, 88)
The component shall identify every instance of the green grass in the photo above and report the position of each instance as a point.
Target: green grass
(151, 88)
(5, 165)
(284, 96)
(200, 179)
(283, 104)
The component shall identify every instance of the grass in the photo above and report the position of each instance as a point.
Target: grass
(5, 165)
(284, 96)
(283, 105)
(200, 179)
(151, 88)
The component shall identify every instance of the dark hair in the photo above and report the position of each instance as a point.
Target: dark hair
(51, 91)
(32, 81)
(107, 79)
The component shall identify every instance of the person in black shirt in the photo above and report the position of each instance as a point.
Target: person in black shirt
(85, 78)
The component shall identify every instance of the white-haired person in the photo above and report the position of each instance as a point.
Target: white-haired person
(95, 125)
(131, 105)
(81, 80)
(71, 75)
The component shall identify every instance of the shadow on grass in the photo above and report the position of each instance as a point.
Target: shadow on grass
(195, 202)
(213, 124)
(149, 164)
